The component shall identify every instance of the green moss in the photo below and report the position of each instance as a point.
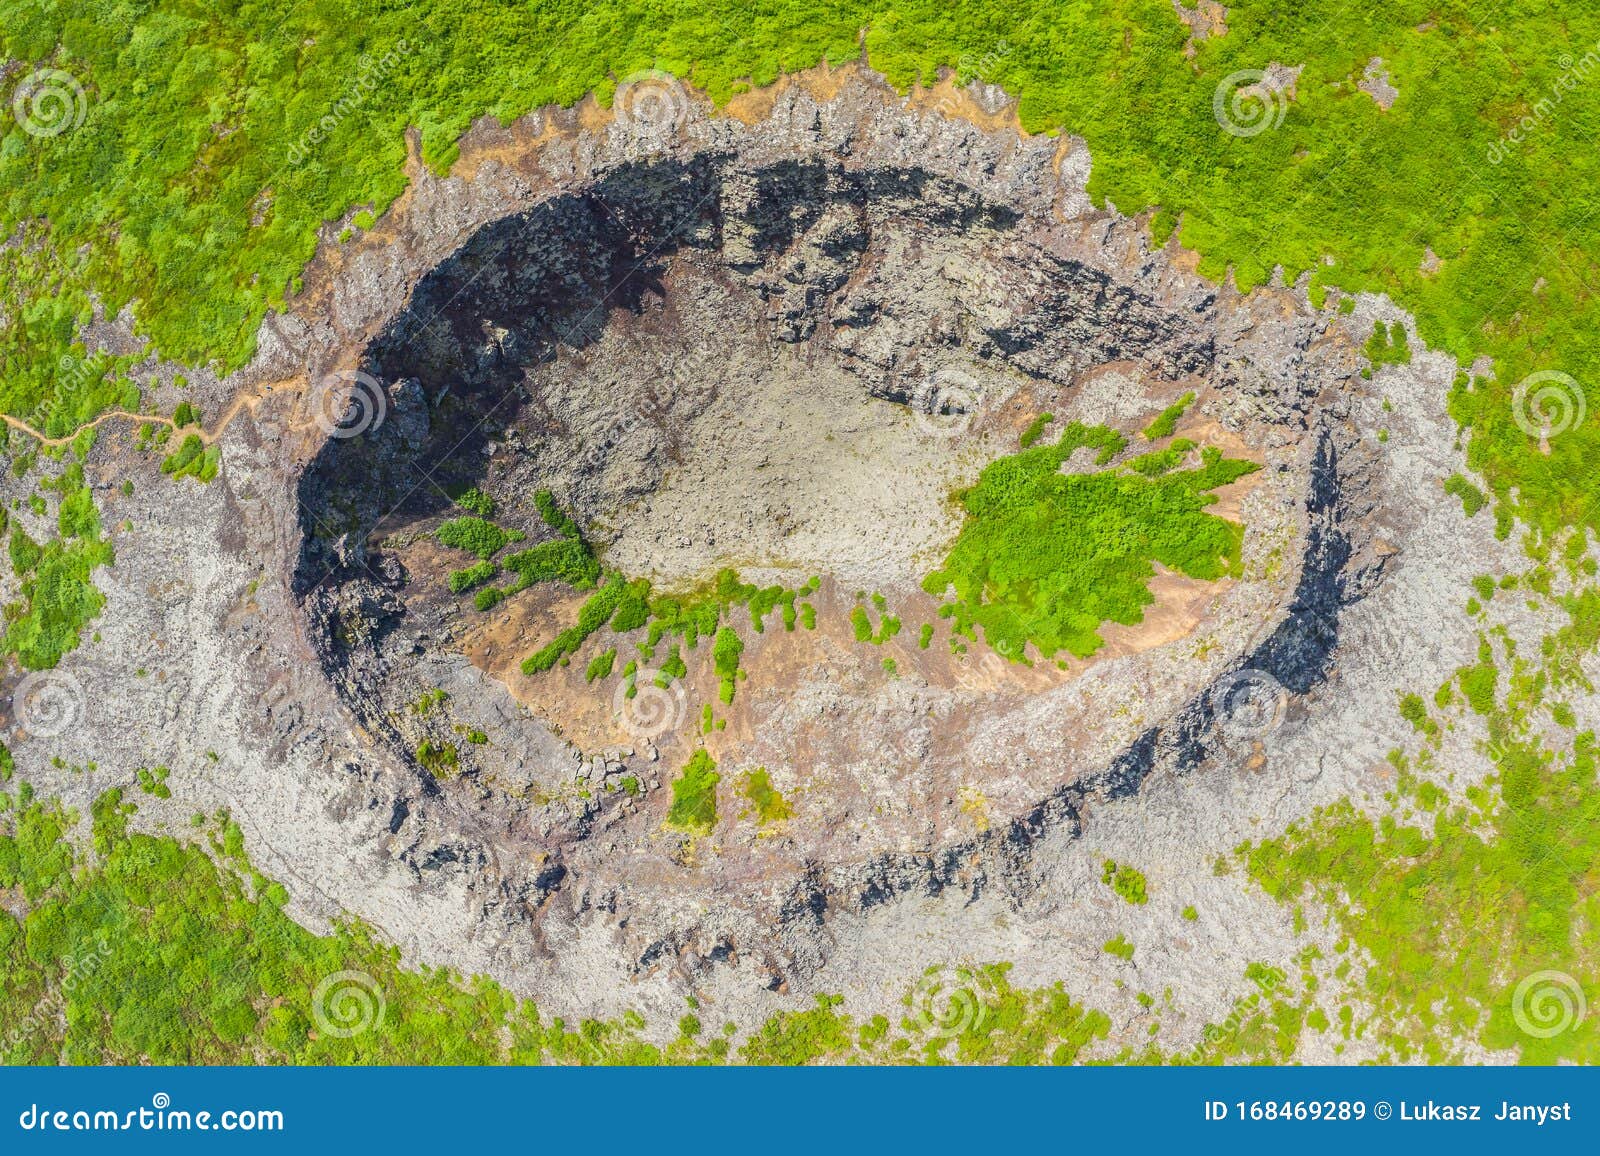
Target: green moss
(1035, 428)
(1118, 947)
(1472, 498)
(474, 535)
(600, 665)
(193, 459)
(1126, 881)
(1045, 557)
(767, 803)
(694, 796)
(1167, 420)
(439, 759)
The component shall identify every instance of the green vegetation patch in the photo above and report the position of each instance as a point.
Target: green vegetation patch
(193, 459)
(475, 501)
(440, 759)
(1128, 882)
(1119, 947)
(1167, 420)
(475, 535)
(1387, 346)
(1472, 498)
(694, 796)
(58, 596)
(472, 576)
(766, 802)
(1035, 429)
(1045, 557)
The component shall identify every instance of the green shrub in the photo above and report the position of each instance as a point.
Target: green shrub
(694, 796)
(439, 759)
(1035, 428)
(1167, 420)
(193, 459)
(1472, 498)
(600, 665)
(1126, 881)
(473, 576)
(1045, 557)
(474, 535)
(475, 501)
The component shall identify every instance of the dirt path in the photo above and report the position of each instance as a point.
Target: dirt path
(243, 401)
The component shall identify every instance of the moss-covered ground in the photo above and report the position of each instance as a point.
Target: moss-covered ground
(1045, 557)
